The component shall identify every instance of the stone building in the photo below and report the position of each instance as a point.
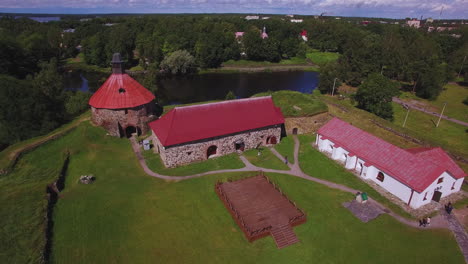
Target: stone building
(121, 105)
(416, 176)
(199, 132)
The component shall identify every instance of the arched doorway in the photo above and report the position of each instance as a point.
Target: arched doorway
(294, 131)
(130, 130)
(211, 151)
(239, 145)
(271, 140)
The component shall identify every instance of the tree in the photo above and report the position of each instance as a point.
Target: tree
(230, 95)
(77, 103)
(151, 77)
(328, 73)
(375, 95)
(179, 62)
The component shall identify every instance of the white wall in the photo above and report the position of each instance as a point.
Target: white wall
(390, 184)
(445, 187)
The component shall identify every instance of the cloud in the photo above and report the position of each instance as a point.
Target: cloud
(383, 8)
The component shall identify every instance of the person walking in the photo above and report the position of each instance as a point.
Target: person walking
(286, 160)
(428, 221)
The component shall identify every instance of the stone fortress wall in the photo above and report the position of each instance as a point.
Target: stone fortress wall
(176, 155)
(123, 122)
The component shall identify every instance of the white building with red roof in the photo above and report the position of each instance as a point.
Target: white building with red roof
(121, 105)
(199, 132)
(416, 176)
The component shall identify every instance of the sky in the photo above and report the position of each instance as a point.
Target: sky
(451, 9)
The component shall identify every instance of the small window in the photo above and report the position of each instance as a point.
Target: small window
(121, 90)
(189, 153)
(453, 185)
(126, 111)
(425, 197)
(441, 180)
(380, 176)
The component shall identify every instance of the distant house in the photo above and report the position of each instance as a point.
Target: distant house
(252, 17)
(416, 176)
(414, 23)
(264, 35)
(69, 30)
(429, 20)
(239, 34)
(304, 35)
(297, 20)
(199, 132)
(265, 18)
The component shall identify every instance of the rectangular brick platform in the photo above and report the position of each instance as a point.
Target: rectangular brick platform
(261, 209)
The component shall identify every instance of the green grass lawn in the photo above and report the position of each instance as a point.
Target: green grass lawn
(266, 159)
(320, 58)
(454, 95)
(286, 148)
(230, 161)
(306, 104)
(127, 216)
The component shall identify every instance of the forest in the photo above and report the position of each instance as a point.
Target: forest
(34, 55)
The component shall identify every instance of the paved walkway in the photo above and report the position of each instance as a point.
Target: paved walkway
(413, 106)
(438, 221)
(458, 231)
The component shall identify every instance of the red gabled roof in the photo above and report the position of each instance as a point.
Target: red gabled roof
(108, 95)
(191, 123)
(411, 170)
(439, 157)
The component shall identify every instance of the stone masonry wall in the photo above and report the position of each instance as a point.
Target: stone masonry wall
(197, 151)
(110, 119)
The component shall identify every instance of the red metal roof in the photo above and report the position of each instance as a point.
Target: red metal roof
(440, 157)
(191, 123)
(120, 91)
(411, 170)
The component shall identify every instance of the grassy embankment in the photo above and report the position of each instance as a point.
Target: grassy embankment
(294, 104)
(127, 216)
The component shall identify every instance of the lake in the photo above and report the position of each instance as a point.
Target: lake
(211, 86)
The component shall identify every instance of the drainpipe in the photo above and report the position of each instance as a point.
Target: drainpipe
(411, 196)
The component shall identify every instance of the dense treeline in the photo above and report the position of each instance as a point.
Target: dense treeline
(31, 54)
(32, 95)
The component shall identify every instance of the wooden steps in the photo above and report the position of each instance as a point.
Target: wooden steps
(284, 236)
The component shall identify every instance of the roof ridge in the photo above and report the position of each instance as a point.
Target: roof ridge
(223, 102)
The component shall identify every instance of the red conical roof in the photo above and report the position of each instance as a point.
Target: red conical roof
(120, 91)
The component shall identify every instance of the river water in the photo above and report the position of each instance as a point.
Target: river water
(212, 86)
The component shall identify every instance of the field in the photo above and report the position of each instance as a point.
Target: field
(127, 216)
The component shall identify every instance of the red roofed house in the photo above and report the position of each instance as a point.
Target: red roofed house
(416, 176)
(199, 132)
(121, 105)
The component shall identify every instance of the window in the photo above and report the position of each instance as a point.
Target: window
(126, 111)
(453, 185)
(441, 180)
(380, 176)
(189, 153)
(425, 197)
(121, 90)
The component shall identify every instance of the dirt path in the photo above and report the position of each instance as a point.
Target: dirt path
(413, 106)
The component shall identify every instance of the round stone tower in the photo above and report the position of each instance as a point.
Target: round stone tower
(121, 105)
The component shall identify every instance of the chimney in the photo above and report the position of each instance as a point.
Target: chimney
(117, 63)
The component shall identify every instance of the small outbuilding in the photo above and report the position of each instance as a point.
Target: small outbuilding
(121, 105)
(199, 132)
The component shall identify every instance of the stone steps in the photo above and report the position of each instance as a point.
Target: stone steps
(284, 236)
